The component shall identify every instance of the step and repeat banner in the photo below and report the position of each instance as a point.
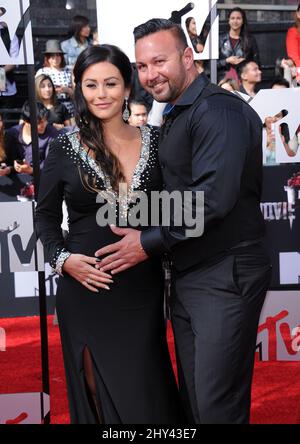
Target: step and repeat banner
(279, 329)
(279, 111)
(18, 251)
(278, 336)
(21, 257)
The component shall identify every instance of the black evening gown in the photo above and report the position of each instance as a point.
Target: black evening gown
(123, 328)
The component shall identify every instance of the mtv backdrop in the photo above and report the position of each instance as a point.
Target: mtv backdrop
(17, 240)
(116, 21)
(20, 260)
(24, 408)
(278, 336)
(280, 205)
(16, 19)
(279, 111)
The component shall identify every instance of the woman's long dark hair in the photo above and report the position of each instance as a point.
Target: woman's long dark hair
(78, 22)
(187, 24)
(38, 80)
(244, 35)
(90, 127)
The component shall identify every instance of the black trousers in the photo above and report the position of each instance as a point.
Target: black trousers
(215, 312)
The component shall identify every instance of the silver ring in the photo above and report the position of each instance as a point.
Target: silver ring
(89, 281)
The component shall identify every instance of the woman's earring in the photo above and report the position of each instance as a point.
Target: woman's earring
(83, 121)
(126, 110)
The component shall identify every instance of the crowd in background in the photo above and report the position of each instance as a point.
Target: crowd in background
(239, 71)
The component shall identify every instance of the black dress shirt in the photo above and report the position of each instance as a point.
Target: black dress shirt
(211, 142)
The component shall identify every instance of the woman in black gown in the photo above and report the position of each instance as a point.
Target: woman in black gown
(116, 358)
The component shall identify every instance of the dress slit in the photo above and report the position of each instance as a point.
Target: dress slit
(97, 393)
(90, 382)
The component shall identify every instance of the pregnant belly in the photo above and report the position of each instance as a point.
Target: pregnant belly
(87, 241)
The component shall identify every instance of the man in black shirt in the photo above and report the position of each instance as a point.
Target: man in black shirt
(211, 143)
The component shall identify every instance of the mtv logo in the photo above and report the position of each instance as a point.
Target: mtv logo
(19, 251)
(283, 105)
(278, 336)
(121, 34)
(15, 24)
(24, 408)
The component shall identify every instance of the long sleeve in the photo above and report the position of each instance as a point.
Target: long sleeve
(11, 150)
(225, 51)
(45, 142)
(48, 216)
(254, 51)
(221, 63)
(292, 45)
(220, 144)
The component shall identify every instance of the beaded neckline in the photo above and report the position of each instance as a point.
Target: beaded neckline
(138, 170)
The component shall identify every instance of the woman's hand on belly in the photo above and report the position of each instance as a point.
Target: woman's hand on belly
(82, 268)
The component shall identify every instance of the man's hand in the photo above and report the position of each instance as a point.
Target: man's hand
(123, 254)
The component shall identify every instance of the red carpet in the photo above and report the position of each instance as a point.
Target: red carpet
(275, 394)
